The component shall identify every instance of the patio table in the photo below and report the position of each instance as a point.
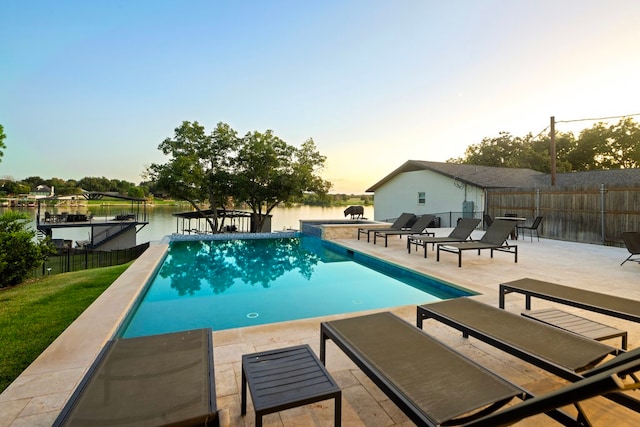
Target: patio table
(286, 378)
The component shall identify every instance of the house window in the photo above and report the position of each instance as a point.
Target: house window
(422, 198)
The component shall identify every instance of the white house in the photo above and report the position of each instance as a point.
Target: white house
(42, 191)
(449, 189)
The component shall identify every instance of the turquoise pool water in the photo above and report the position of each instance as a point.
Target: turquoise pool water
(226, 284)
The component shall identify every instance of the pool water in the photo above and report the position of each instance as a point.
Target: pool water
(225, 284)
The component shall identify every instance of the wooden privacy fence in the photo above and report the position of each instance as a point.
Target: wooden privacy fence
(588, 213)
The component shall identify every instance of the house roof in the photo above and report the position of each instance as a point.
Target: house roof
(486, 177)
(42, 188)
(479, 176)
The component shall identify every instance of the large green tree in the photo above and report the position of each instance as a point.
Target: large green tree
(267, 171)
(259, 169)
(499, 152)
(198, 168)
(608, 146)
(599, 147)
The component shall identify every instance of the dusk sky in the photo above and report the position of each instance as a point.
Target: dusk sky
(90, 88)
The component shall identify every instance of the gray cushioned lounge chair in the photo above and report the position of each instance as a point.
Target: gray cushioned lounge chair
(401, 222)
(436, 385)
(165, 379)
(494, 239)
(610, 305)
(560, 352)
(460, 233)
(418, 227)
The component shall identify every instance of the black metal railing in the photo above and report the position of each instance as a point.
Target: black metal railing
(75, 259)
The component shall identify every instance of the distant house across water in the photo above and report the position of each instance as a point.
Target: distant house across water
(42, 191)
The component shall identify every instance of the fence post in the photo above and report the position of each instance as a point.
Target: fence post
(603, 212)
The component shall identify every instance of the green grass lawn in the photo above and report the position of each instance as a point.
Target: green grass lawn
(33, 314)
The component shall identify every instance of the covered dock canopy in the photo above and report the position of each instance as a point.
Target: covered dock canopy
(240, 221)
(99, 195)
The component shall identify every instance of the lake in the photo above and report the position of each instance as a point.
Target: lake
(162, 222)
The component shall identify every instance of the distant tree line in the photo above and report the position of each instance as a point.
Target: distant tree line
(11, 187)
(600, 147)
(336, 199)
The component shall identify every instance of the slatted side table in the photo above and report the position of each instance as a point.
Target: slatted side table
(286, 378)
(576, 324)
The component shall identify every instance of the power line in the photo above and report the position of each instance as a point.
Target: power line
(586, 120)
(600, 118)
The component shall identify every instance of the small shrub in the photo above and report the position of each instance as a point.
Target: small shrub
(19, 251)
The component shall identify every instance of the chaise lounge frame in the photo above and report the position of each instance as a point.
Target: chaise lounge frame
(400, 223)
(414, 393)
(460, 233)
(494, 239)
(562, 353)
(419, 227)
(165, 379)
(611, 305)
(436, 385)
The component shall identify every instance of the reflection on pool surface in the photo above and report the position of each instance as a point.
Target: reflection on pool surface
(226, 284)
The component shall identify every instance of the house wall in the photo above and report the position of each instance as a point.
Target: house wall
(443, 195)
(125, 240)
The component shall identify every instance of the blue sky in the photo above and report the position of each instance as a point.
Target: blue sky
(90, 88)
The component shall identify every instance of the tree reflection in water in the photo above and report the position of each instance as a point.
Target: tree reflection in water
(219, 263)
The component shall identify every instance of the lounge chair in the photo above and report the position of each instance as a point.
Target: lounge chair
(459, 234)
(611, 305)
(565, 354)
(533, 227)
(632, 242)
(610, 377)
(493, 239)
(418, 227)
(154, 380)
(398, 224)
(435, 385)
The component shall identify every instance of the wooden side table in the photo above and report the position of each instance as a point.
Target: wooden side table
(286, 378)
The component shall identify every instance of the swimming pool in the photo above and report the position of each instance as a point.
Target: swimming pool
(224, 284)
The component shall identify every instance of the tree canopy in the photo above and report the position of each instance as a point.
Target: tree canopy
(259, 170)
(602, 146)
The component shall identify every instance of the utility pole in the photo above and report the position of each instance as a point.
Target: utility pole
(552, 134)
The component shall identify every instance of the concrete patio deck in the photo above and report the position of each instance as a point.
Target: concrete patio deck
(38, 395)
